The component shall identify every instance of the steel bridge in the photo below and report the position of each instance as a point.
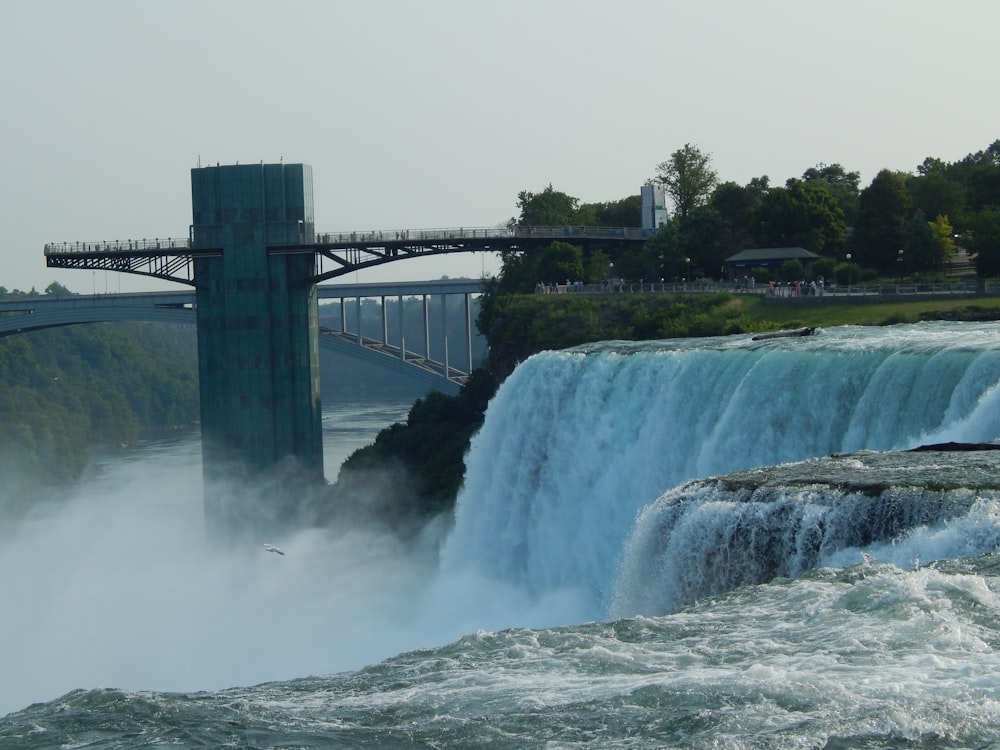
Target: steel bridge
(338, 253)
(431, 362)
(254, 259)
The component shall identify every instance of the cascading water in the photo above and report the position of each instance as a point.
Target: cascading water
(644, 486)
(711, 536)
(577, 442)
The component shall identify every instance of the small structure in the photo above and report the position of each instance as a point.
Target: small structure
(739, 265)
(653, 201)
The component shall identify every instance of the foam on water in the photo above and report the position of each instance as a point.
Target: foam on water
(577, 442)
(119, 588)
(869, 656)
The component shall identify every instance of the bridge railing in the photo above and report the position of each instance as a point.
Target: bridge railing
(503, 232)
(370, 236)
(118, 246)
(785, 291)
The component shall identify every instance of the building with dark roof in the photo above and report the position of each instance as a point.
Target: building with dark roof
(739, 265)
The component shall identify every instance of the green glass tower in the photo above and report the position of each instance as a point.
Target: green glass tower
(258, 343)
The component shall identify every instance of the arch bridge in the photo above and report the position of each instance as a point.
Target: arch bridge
(434, 360)
(338, 253)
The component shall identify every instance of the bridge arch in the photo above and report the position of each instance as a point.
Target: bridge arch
(413, 369)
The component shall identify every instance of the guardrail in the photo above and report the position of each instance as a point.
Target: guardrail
(378, 235)
(471, 233)
(617, 286)
(118, 246)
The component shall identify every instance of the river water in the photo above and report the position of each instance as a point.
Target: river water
(709, 543)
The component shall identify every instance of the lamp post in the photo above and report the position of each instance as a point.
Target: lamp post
(687, 270)
(899, 260)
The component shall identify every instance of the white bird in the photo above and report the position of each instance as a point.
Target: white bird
(272, 548)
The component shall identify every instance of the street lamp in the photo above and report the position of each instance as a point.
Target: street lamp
(899, 260)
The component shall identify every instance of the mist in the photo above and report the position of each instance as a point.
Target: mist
(117, 586)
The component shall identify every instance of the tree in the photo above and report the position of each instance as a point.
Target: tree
(802, 214)
(936, 194)
(884, 210)
(922, 250)
(944, 233)
(626, 212)
(549, 208)
(840, 183)
(980, 173)
(847, 273)
(736, 206)
(560, 262)
(57, 290)
(825, 267)
(703, 236)
(519, 272)
(596, 266)
(984, 240)
(663, 251)
(792, 270)
(688, 178)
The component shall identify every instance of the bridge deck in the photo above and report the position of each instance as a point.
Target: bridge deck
(172, 258)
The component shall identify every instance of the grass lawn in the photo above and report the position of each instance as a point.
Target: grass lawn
(834, 312)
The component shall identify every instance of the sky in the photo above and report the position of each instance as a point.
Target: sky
(437, 113)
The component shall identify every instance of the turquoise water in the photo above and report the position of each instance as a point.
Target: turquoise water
(710, 544)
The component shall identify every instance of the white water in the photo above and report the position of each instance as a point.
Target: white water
(119, 589)
(702, 540)
(576, 443)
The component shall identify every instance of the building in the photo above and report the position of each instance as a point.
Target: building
(654, 206)
(771, 258)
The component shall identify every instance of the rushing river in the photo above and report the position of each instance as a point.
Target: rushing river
(711, 543)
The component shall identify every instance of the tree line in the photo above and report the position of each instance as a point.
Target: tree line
(901, 223)
(67, 391)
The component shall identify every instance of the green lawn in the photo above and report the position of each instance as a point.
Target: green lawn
(834, 312)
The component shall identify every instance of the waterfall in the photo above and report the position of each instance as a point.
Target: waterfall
(708, 538)
(577, 442)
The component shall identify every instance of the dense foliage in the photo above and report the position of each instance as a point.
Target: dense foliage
(908, 223)
(413, 471)
(67, 390)
(518, 326)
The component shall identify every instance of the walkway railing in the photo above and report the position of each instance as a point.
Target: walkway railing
(118, 246)
(370, 236)
(783, 291)
(472, 233)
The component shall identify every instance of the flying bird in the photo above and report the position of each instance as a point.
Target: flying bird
(272, 548)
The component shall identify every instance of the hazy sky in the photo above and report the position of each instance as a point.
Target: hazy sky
(436, 113)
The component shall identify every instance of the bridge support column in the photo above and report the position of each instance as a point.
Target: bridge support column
(468, 329)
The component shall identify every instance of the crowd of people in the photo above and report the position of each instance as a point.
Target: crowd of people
(799, 288)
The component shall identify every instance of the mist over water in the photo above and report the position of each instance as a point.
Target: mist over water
(118, 586)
